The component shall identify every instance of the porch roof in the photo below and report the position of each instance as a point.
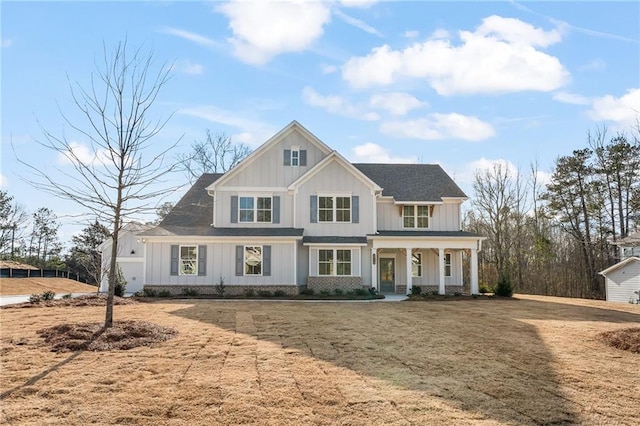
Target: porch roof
(436, 234)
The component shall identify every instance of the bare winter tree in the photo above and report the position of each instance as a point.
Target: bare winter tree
(216, 154)
(121, 176)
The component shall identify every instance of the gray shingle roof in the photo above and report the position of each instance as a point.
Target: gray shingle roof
(209, 231)
(334, 240)
(412, 182)
(195, 208)
(424, 234)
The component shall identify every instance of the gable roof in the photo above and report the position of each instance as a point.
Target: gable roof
(335, 156)
(195, 208)
(631, 240)
(412, 182)
(619, 265)
(294, 125)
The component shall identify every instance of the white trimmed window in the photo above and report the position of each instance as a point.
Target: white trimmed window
(415, 217)
(253, 260)
(416, 264)
(295, 157)
(334, 209)
(447, 264)
(254, 209)
(334, 262)
(188, 260)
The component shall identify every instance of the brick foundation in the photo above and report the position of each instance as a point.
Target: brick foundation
(329, 284)
(449, 289)
(229, 290)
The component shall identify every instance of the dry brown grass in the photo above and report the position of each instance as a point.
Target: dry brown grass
(26, 286)
(627, 339)
(85, 300)
(533, 360)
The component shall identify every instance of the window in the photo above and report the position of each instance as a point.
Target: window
(253, 260)
(334, 207)
(334, 262)
(188, 260)
(415, 216)
(447, 264)
(416, 264)
(295, 157)
(255, 209)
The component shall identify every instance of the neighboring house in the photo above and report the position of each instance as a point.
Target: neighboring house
(297, 214)
(622, 281)
(130, 257)
(629, 246)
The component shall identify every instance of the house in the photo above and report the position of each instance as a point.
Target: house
(296, 214)
(622, 281)
(130, 257)
(629, 246)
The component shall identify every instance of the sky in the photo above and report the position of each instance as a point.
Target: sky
(462, 84)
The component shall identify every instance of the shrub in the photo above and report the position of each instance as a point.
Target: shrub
(307, 292)
(503, 288)
(149, 292)
(279, 293)
(35, 298)
(48, 295)
(416, 289)
(325, 293)
(164, 293)
(264, 293)
(433, 292)
(360, 292)
(457, 293)
(249, 292)
(220, 287)
(121, 283)
(338, 292)
(484, 289)
(191, 292)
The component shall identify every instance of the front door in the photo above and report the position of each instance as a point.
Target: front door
(387, 275)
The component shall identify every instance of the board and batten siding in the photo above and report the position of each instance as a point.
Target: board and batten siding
(622, 282)
(221, 260)
(335, 180)
(268, 170)
(224, 209)
(446, 217)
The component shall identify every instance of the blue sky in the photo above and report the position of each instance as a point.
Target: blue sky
(461, 84)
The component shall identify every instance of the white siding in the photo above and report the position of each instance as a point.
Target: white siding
(446, 217)
(335, 179)
(221, 258)
(223, 209)
(622, 282)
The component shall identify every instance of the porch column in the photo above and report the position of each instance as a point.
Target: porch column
(441, 288)
(474, 271)
(374, 269)
(409, 274)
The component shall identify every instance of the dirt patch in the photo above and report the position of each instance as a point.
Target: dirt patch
(16, 265)
(627, 339)
(26, 286)
(92, 336)
(90, 300)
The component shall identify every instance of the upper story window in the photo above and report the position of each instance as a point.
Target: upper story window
(415, 216)
(188, 260)
(334, 209)
(254, 209)
(295, 158)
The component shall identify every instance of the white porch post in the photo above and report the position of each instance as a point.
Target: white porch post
(474, 271)
(374, 269)
(409, 274)
(441, 288)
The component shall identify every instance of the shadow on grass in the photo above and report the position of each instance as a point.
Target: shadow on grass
(477, 356)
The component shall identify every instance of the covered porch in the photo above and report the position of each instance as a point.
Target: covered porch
(432, 260)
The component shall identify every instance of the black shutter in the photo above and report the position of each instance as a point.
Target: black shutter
(303, 157)
(239, 261)
(202, 260)
(234, 209)
(314, 209)
(287, 157)
(275, 214)
(174, 259)
(355, 209)
(266, 261)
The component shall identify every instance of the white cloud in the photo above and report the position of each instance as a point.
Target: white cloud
(337, 105)
(467, 173)
(571, 98)
(190, 36)
(373, 153)
(624, 110)
(4, 183)
(5, 42)
(594, 65)
(499, 57)
(440, 126)
(263, 30)
(188, 67)
(80, 152)
(357, 3)
(396, 103)
(328, 69)
(411, 33)
(356, 23)
(251, 132)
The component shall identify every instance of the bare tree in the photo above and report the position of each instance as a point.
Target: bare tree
(13, 218)
(126, 167)
(216, 154)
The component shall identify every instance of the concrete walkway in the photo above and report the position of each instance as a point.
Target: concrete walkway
(10, 300)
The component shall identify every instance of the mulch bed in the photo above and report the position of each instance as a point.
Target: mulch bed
(90, 300)
(627, 339)
(122, 335)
